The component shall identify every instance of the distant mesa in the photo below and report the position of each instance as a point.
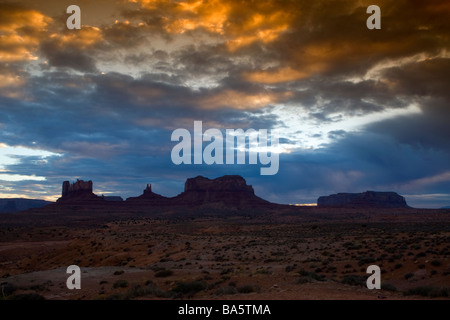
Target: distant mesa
(79, 190)
(231, 190)
(368, 199)
(20, 204)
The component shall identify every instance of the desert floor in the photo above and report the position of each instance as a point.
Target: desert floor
(226, 258)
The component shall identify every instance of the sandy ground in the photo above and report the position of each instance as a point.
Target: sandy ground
(226, 259)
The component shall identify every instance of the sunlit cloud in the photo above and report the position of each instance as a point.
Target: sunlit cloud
(82, 39)
(20, 33)
(280, 75)
(309, 133)
(241, 100)
(12, 155)
(19, 177)
(104, 98)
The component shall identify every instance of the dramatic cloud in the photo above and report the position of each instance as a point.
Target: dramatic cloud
(356, 109)
(21, 31)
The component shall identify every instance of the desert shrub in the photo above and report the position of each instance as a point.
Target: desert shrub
(226, 290)
(289, 268)
(149, 289)
(409, 275)
(354, 280)
(116, 296)
(189, 287)
(366, 260)
(310, 276)
(303, 280)
(248, 288)
(429, 291)
(163, 273)
(26, 296)
(396, 256)
(398, 266)
(436, 263)
(264, 271)
(226, 271)
(7, 289)
(118, 273)
(387, 286)
(38, 287)
(120, 284)
(352, 246)
(421, 254)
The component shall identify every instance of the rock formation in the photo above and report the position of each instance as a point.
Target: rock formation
(368, 199)
(148, 196)
(77, 190)
(226, 191)
(79, 186)
(112, 198)
(20, 204)
(230, 190)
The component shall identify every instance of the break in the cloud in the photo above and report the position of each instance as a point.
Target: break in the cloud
(357, 109)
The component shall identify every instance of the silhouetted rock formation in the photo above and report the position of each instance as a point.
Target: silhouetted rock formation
(19, 204)
(230, 190)
(368, 199)
(112, 198)
(149, 197)
(79, 190)
(226, 191)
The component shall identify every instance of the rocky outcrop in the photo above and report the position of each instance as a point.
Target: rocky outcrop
(112, 198)
(226, 191)
(368, 199)
(77, 187)
(230, 190)
(149, 197)
(79, 190)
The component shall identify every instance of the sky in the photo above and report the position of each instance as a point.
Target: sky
(356, 109)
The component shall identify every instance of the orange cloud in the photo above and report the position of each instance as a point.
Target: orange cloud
(20, 33)
(242, 100)
(280, 75)
(210, 15)
(84, 38)
(263, 24)
(239, 27)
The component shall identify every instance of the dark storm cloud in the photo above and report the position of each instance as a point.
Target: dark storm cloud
(125, 35)
(425, 78)
(331, 42)
(427, 83)
(68, 58)
(229, 65)
(356, 163)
